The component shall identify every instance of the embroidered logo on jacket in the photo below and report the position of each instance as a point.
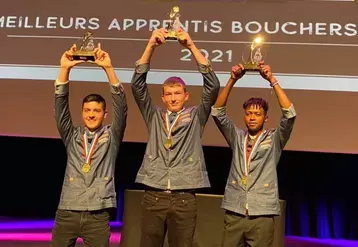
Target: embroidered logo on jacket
(104, 137)
(266, 143)
(185, 118)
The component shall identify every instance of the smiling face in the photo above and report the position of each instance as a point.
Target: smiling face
(174, 94)
(93, 112)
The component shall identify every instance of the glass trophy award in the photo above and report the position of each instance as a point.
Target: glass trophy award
(253, 55)
(85, 48)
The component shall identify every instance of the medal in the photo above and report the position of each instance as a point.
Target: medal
(169, 128)
(89, 150)
(168, 143)
(247, 153)
(244, 180)
(86, 168)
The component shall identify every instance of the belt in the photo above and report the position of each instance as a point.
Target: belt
(192, 191)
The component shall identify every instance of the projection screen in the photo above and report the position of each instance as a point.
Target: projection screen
(311, 47)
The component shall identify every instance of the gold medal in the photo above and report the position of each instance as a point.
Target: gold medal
(168, 143)
(89, 150)
(86, 168)
(244, 180)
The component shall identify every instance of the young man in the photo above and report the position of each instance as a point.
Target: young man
(251, 195)
(88, 190)
(173, 166)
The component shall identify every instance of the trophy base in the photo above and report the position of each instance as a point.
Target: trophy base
(251, 67)
(84, 55)
(171, 36)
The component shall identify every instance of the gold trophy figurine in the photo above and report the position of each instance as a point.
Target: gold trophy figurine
(174, 24)
(85, 48)
(255, 55)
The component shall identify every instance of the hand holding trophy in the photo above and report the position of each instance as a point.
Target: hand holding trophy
(237, 72)
(266, 73)
(102, 58)
(253, 56)
(184, 38)
(85, 50)
(67, 61)
(158, 37)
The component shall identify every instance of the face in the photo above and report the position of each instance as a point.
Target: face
(174, 97)
(93, 115)
(254, 118)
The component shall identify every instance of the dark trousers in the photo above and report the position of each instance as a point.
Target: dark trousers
(247, 231)
(162, 211)
(91, 226)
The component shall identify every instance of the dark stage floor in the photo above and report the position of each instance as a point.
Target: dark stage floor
(38, 234)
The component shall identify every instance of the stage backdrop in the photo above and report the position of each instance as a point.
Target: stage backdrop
(311, 46)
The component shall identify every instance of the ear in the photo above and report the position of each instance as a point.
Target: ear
(163, 99)
(186, 96)
(266, 118)
(105, 114)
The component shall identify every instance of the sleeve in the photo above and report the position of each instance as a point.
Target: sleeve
(141, 93)
(119, 119)
(211, 88)
(225, 125)
(283, 132)
(62, 111)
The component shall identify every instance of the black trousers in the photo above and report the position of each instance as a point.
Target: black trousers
(247, 231)
(174, 212)
(91, 226)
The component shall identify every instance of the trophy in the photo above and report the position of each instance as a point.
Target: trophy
(174, 24)
(85, 48)
(255, 55)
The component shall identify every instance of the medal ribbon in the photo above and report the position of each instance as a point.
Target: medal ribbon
(169, 127)
(247, 154)
(89, 148)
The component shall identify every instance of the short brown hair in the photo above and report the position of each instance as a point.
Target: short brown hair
(171, 81)
(94, 97)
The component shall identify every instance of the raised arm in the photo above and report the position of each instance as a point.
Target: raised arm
(211, 82)
(139, 86)
(225, 125)
(62, 109)
(287, 121)
(119, 101)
